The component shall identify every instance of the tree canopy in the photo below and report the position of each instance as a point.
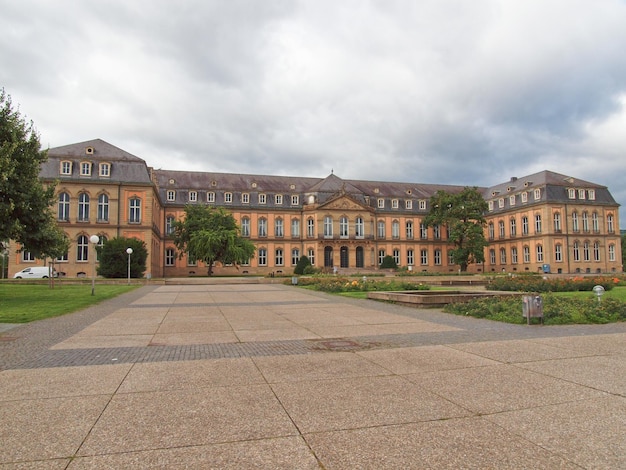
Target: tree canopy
(25, 204)
(113, 259)
(211, 234)
(463, 214)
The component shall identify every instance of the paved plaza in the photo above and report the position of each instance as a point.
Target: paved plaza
(272, 376)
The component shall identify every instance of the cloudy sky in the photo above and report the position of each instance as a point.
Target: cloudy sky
(428, 91)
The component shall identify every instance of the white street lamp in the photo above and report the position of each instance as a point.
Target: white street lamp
(94, 239)
(130, 252)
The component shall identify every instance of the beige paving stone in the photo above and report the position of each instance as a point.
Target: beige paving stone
(453, 444)
(201, 337)
(316, 367)
(181, 375)
(592, 344)
(119, 341)
(492, 389)
(157, 298)
(281, 453)
(312, 317)
(591, 433)
(153, 420)
(190, 326)
(326, 405)
(23, 384)
(192, 312)
(46, 428)
(607, 373)
(423, 359)
(374, 330)
(516, 351)
(275, 334)
(52, 464)
(118, 328)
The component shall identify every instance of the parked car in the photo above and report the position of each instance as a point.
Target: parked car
(35, 272)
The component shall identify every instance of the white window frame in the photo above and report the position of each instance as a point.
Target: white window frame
(262, 198)
(171, 195)
(105, 170)
(85, 168)
(66, 168)
(193, 196)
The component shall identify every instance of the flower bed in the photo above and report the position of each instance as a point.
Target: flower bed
(344, 284)
(539, 284)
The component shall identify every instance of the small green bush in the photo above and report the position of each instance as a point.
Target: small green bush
(388, 263)
(303, 263)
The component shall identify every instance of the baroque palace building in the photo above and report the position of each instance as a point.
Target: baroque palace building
(545, 222)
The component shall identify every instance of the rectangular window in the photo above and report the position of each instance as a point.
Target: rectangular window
(381, 229)
(396, 256)
(245, 227)
(171, 195)
(262, 257)
(295, 200)
(422, 205)
(524, 196)
(310, 228)
(27, 256)
(424, 257)
(295, 256)
(381, 203)
(245, 198)
(558, 253)
(539, 254)
(278, 199)
(278, 228)
(381, 256)
(571, 193)
(581, 194)
(395, 230)
(537, 194)
(437, 257)
(228, 198)
(311, 256)
(591, 194)
(511, 200)
(490, 206)
(328, 227)
(295, 228)
(85, 169)
(66, 168)
(501, 202)
(134, 213)
(210, 196)
(359, 228)
(105, 170)
(526, 254)
(262, 199)
(409, 230)
(408, 204)
(423, 232)
(394, 203)
(262, 227)
(279, 257)
(410, 258)
(514, 255)
(169, 257)
(193, 196)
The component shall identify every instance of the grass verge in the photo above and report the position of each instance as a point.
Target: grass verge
(27, 303)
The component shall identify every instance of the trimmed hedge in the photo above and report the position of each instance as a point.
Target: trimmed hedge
(344, 284)
(539, 284)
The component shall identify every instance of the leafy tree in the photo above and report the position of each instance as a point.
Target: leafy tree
(25, 204)
(303, 263)
(388, 263)
(211, 234)
(50, 242)
(114, 259)
(463, 214)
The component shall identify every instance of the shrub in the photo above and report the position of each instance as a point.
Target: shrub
(388, 263)
(114, 259)
(538, 284)
(303, 263)
(556, 310)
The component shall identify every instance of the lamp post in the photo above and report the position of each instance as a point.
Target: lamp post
(130, 252)
(94, 239)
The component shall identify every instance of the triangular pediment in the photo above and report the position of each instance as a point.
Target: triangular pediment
(344, 203)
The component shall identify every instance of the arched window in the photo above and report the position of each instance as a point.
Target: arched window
(64, 207)
(263, 228)
(575, 226)
(395, 230)
(83, 207)
(557, 221)
(310, 227)
(169, 225)
(103, 208)
(279, 230)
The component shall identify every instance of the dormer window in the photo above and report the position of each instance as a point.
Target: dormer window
(193, 196)
(66, 168)
(278, 199)
(85, 169)
(210, 196)
(171, 195)
(591, 193)
(581, 194)
(105, 170)
(571, 193)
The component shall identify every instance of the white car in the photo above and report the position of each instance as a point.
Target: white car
(35, 272)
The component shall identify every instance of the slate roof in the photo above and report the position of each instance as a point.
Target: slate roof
(125, 167)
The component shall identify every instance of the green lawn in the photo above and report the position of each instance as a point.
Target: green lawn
(26, 303)
(617, 293)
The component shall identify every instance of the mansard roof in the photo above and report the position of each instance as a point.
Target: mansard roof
(125, 167)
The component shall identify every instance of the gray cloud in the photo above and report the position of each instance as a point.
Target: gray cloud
(444, 91)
